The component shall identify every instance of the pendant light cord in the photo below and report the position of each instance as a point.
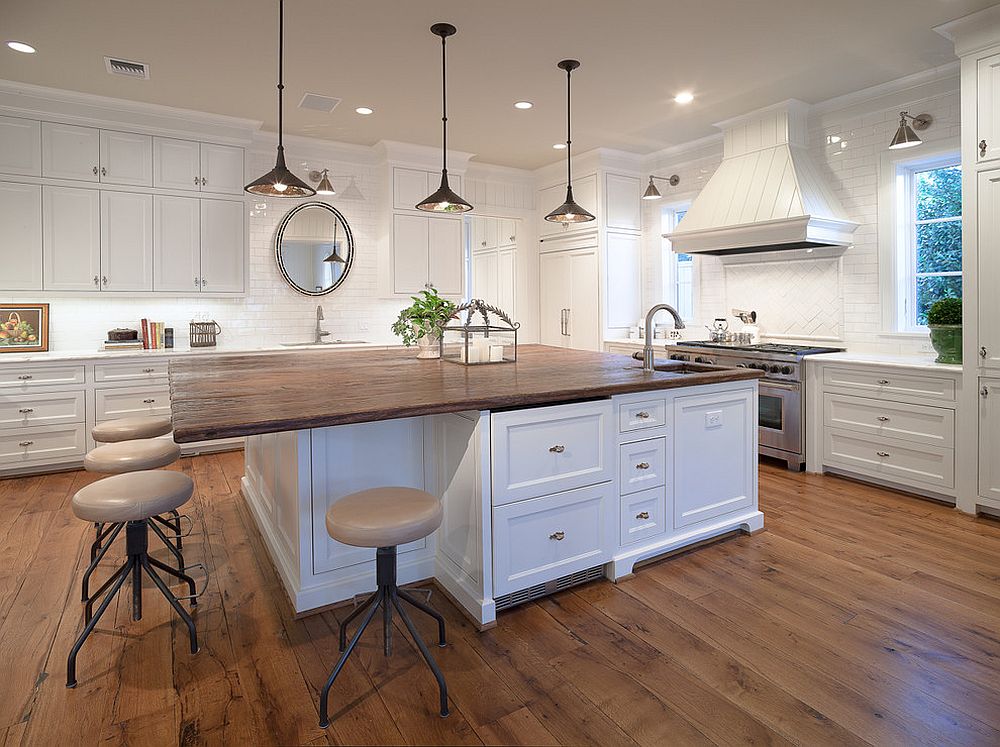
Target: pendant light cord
(444, 107)
(569, 141)
(281, 59)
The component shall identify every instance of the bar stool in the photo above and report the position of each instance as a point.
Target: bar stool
(384, 518)
(129, 500)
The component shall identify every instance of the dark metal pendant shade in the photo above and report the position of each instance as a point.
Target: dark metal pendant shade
(444, 200)
(279, 181)
(569, 211)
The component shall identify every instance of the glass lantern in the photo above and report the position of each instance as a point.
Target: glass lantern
(478, 333)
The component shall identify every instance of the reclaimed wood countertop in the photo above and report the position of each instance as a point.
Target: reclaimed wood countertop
(246, 395)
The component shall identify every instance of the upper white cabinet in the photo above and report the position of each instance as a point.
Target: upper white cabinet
(989, 268)
(176, 243)
(222, 169)
(197, 167)
(71, 152)
(508, 232)
(71, 238)
(411, 186)
(126, 158)
(493, 267)
(988, 109)
(585, 194)
(126, 241)
(486, 277)
(624, 279)
(21, 232)
(989, 438)
(507, 283)
(20, 146)
(621, 201)
(445, 258)
(222, 246)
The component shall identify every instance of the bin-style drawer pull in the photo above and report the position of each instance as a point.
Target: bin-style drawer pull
(25, 377)
(557, 449)
(642, 415)
(557, 536)
(26, 410)
(149, 401)
(148, 370)
(26, 443)
(882, 453)
(883, 382)
(642, 465)
(883, 419)
(642, 515)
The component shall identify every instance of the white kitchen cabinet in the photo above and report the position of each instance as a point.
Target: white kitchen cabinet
(569, 292)
(409, 187)
(176, 243)
(20, 146)
(477, 233)
(508, 232)
(624, 280)
(71, 152)
(126, 158)
(989, 438)
(427, 251)
(988, 343)
(507, 290)
(621, 202)
(554, 298)
(492, 233)
(585, 194)
(445, 257)
(221, 169)
(71, 238)
(223, 243)
(988, 109)
(176, 164)
(126, 241)
(21, 232)
(486, 277)
(409, 253)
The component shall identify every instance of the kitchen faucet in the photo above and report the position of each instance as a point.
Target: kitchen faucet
(320, 333)
(647, 348)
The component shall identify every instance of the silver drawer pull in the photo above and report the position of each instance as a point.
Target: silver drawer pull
(883, 419)
(557, 536)
(26, 410)
(883, 382)
(642, 465)
(642, 515)
(25, 377)
(882, 453)
(557, 449)
(642, 415)
(149, 401)
(26, 443)
(148, 370)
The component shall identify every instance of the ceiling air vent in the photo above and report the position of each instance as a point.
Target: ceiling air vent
(128, 68)
(319, 103)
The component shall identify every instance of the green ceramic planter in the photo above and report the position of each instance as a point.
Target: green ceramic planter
(947, 341)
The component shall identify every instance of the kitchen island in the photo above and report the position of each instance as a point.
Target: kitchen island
(565, 466)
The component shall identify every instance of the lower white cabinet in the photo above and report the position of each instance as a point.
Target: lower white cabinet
(890, 458)
(71, 239)
(24, 447)
(642, 465)
(21, 232)
(126, 241)
(46, 408)
(643, 516)
(131, 402)
(569, 292)
(989, 438)
(176, 243)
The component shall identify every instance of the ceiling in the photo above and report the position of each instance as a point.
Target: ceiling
(220, 56)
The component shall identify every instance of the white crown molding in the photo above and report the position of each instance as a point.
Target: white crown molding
(74, 107)
(424, 156)
(974, 32)
(487, 171)
(711, 145)
(318, 149)
(867, 98)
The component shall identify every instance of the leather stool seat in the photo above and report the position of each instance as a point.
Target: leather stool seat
(133, 496)
(383, 517)
(129, 429)
(131, 456)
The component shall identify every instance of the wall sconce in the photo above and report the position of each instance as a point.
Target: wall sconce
(324, 188)
(905, 136)
(652, 193)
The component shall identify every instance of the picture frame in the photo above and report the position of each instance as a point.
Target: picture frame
(24, 328)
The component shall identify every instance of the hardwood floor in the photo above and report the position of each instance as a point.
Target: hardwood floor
(858, 616)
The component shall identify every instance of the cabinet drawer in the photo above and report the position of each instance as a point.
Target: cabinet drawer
(131, 371)
(643, 515)
(542, 539)
(13, 378)
(882, 383)
(550, 449)
(47, 443)
(890, 459)
(132, 402)
(635, 416)
(49, 408)
(642, 464)
(918, 423)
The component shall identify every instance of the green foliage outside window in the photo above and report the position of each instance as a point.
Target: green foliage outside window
(938, 235)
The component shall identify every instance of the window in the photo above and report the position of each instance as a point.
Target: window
(678, 269)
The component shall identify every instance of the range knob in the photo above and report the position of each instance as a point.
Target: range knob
(775, 368)
(699, 359)
(786, 370)
(760, 366)
(742, 365)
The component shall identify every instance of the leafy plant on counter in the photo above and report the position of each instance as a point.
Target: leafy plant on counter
(946, 311)
(425, 316)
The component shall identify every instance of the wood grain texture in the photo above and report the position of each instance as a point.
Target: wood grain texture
(859, 616)
(245, 395)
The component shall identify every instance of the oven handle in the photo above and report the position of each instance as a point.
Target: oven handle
(781, 385)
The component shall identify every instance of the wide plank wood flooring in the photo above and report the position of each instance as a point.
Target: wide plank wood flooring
(858, 616)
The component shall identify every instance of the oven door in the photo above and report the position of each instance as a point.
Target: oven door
(779, 416)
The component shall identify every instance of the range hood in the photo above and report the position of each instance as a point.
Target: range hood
(767, 194)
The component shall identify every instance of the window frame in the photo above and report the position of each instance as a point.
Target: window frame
(668, 258)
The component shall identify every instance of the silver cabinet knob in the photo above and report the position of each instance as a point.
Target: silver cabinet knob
(196, 282)
(204, 181)
(882, 453)
(557, 536)
(982, 147)
(642, 465)
(26, 410)
(25, 377)
(25, 443)
(883, 419)
(642, 415)
(984, 392)
(95, 171)
(148, 370)
(97, 280)
(149, 401)
(883, 382)
(557, 449)
(197, 181)
(104, 279)
(983, 352)
(203, 282)
(104, 171)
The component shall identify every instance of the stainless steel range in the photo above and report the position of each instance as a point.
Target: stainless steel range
(781, 415)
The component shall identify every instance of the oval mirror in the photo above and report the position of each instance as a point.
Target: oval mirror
(314, 248)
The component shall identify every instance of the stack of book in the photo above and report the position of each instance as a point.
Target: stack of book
(123, 345)
(153, 335)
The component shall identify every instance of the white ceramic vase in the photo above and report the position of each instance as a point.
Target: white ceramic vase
(427, 346)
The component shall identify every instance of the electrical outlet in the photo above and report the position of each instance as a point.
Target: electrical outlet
(713, 419)
(362, 326)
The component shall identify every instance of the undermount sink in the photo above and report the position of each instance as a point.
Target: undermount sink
(322, 343)
(686, 367)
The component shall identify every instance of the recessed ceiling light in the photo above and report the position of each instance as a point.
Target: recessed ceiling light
(684, 97)
(559, 146)
(523, 105)
(21, 47)
(364, 110)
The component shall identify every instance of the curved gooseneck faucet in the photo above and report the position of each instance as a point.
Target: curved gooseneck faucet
(647, 349)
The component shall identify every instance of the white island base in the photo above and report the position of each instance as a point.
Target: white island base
(535, 499)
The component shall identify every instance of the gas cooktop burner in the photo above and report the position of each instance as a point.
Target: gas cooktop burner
(761, 347)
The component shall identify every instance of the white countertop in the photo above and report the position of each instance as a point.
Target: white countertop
(923, 362)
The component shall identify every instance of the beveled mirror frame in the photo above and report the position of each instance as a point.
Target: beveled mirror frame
(348, 260)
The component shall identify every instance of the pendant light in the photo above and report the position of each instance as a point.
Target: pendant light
(444, 200)
(279, 181)
(569, 211)
(905, 136)
(334, 255)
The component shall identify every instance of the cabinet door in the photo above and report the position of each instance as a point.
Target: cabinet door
(621, 200)
(508, 231)
(478, 240)
(222, 169)
(71, 238)
(445, 257)
(989, 438)
(554, 298)
(21, 229)
(988, 125)
(506, 293)
(126, 158)
(989, 267)
(20, 146)
(410, 187)
(71, 152)
(485, 277)
(492, 233)
(548, 200)
(126, 241)
(583, 317)
(624, 280)
(222, 246)
(409, 253)
(176, 164)
(176, 243)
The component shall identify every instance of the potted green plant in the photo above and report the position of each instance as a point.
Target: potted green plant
(420, 323)
(944, 319)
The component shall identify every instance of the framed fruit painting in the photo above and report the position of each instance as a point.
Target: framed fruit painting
(24, 328)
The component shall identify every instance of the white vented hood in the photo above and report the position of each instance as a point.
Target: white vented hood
(767, 194)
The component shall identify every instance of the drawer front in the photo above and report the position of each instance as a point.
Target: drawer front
(131, 371)
(642, 465)
(890, 459)
(24, 378)
(926, 425)
(542, 539)
(49, 443)
(132, 402)
(55, 408)
(635, 416)
(643, 515)
(888, 384)
(551, 449)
